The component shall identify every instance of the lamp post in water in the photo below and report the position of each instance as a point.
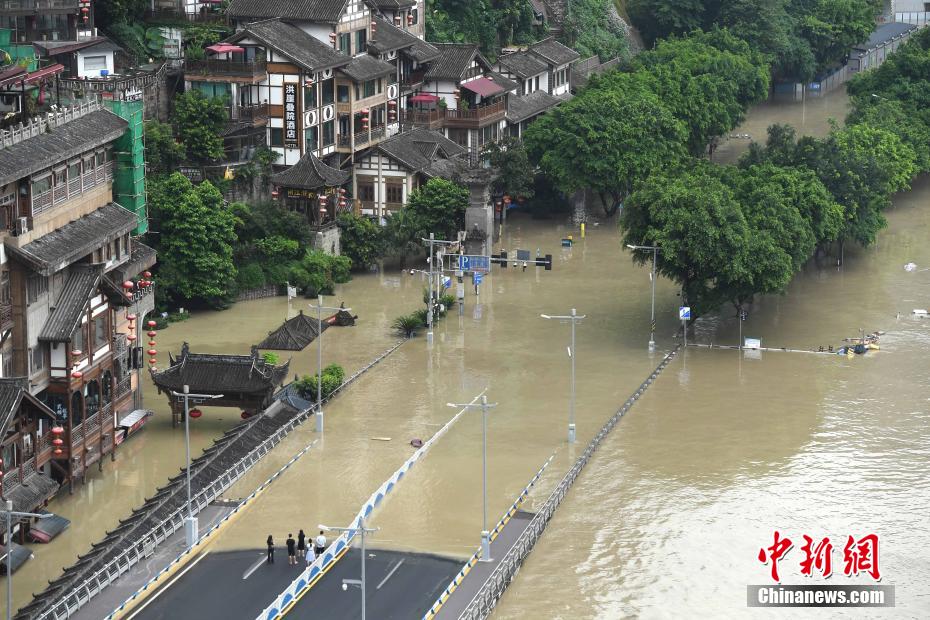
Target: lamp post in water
(574, 317)
(652, 321)
(319, 358)
(485, 533)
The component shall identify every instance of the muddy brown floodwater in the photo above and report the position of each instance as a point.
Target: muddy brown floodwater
(667, 519)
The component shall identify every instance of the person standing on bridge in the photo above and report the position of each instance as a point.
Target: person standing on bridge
(301, 545)
(311, 554)
(270, 543)
(291, 550)
(320, 545)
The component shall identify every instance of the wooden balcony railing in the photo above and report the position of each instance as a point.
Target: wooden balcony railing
(469, 117)
(248, 113)
(413, 78)
(225, 68)
(37, 5)
(6, 315)
(362, 138)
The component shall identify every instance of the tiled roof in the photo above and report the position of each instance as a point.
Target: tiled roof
(289, 40)
(389, 37)
(554, 52)
(53, 48)
(65, 315)
(59, 248)
(527, 106)
(884, 33)
(310, 173)
(453, 60)
(141, 257)
(394, 4)
(420, 148)
(522, 64)
(32, 493)
(61, 143)
(207, 373)
(421, 51)
(506, 83)
(367, 67)
(11, 392)
(294, 334)
(301, 10)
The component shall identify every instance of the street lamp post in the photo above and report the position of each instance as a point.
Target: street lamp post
(319, 359)
(485, 533)
(433, 241)
(9, 515)
(652, 321)
(361, 530)
(574, 317)
(190, 523)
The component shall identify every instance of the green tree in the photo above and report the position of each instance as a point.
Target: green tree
(592, 29)
(606, 140)
(361, 240)
(333, 376)
(514, 172)
(199, 121)
(318, 273)
(404, 230)
(832, 27)
(195, 262)
(163, 152)
(695, 217)
(439, 207)
(658, 19)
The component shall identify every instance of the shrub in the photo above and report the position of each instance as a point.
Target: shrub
(250, 276)
(407, 324)
(333, 376)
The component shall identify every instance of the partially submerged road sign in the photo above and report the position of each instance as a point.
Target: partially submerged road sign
(475, 263)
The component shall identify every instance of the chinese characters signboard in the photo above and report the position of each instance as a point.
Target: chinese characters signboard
(291, 117)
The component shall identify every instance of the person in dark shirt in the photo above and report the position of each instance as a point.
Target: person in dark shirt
(291, 549)
(270, 543)
(301, 545)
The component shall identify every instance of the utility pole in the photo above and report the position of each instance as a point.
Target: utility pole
(485, 532)
(433, 241)
(361, 530)
(574, 317)
(319, 358)
(652, 320)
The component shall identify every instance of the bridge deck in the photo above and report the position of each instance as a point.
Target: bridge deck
(476, 578)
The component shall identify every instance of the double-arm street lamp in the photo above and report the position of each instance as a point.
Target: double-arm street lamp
(9, 514)
(361, 530)
(433, 259)
(574, 317)
(319, 358)
(190, 524)
(652, 322)
(485, 533)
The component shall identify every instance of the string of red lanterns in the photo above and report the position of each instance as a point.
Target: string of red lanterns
(57, 431)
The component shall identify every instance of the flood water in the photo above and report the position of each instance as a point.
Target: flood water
(668, 517)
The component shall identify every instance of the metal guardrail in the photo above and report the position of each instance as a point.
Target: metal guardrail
(486, 599)
(70, 602)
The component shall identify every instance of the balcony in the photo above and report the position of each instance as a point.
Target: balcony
(31, 7)
(362, 139)
(471, 118)
(413, 79)
(225, 69)
(6, 315)
(174, 16)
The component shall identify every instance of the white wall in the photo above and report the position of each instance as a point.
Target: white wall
(88, 69)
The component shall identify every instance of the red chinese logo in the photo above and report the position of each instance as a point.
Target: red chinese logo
(859, 556)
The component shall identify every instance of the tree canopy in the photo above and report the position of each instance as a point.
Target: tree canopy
(199, 121)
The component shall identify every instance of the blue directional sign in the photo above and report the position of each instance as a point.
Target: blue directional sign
(684, 313)
(469, 262)
(478, 277)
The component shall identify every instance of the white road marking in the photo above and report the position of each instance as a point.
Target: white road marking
(253, 568)
(390, 574)
(168, 585)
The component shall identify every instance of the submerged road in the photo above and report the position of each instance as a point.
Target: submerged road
(240, 584)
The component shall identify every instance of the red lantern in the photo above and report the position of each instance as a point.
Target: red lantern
(129, 296)
(147, 274)
(409, 19)
(153, 352)
(151, 343)
(58, 451)
(332, 38)
(245, 415)
(152, 333)
(57, 430)
(130, 338)
(392, 103)
(196, 413)
(57, 442)
(151, 323)
(130, 317)
(342, 204)
(342, 191)
(128, 284)
(77, 374)
(274, 193)
(77, 353)
(153, 361)
(397, 20)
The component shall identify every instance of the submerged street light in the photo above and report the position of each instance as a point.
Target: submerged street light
(574, 317)
(652, 321)
(485, 533)
(319, 358)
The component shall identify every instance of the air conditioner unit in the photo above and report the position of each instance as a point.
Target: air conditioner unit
(22, 226)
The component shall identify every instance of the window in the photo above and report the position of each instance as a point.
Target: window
(277, 136)
(36, 360)
(7, 199)
(345, 43)
(61, 177)
(35, 287)
(369, 89)
(366, 192)
(40, 186)
(328, 92)
(414, 16)
(74, 171)
(101, 158)
(100, 331)
(342, 93)
(379, 85)
(95, 63)
(536, 83)
(329, 133)
(310, 101)
(8, 364)
(78, 342)
(361, 41)
(395, 193)
(311, 142)
(88, 164)
(5, 287)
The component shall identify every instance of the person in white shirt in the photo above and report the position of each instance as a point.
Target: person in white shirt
(320, 543)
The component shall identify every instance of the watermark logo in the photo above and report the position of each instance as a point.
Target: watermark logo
(860, 557)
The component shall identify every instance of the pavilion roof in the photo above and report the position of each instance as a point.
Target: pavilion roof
(219, 373)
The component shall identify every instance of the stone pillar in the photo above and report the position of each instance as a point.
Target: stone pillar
(480, 212)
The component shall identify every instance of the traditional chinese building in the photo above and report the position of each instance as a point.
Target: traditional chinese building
(246, 382)
(70, 318)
